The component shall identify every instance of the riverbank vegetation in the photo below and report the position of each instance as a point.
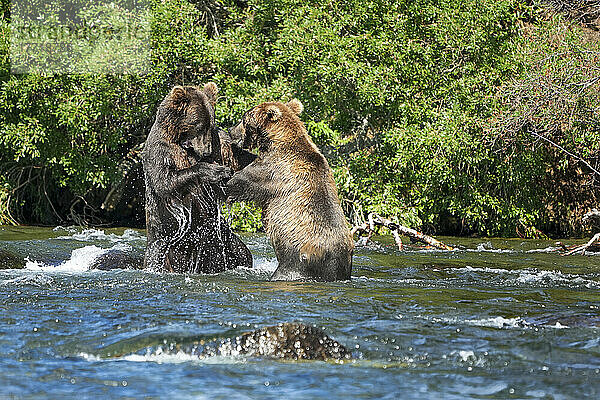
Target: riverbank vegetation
(472, 117)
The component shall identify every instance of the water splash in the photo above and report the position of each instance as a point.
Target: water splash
(91, 235)
(29, 280)
(81, 259)
(161, 356)
(534, 276)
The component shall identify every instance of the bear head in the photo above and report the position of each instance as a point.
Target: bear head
(266, 123)
(187, 117)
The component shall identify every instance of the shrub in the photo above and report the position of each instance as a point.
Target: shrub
(423, 108)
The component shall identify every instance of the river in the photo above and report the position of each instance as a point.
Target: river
(498, 318)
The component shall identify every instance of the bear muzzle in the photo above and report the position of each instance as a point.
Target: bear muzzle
(199, 147)
(237, 134)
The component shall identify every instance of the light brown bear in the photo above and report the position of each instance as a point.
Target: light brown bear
(292, 182)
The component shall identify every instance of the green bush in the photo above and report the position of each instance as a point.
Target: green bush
(550, 115)
(411, 101)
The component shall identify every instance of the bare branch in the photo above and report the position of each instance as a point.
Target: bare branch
(565, 151)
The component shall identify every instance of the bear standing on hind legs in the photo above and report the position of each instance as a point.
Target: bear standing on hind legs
(185, 230)
(292, 182)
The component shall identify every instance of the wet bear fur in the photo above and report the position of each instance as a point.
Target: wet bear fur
(185, 230)
(292, 182)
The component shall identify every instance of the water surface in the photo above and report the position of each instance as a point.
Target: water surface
(496, 319)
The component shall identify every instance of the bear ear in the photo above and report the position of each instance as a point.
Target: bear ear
(211, 90)
(273, 112)
(178, 95)
(295, 106)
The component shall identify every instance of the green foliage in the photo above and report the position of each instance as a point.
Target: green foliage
(5, 215)
(4, 46)
(322, 134)
(243, 216)
(408, 99)
(551, 112)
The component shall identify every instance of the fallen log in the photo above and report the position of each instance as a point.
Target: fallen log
(396, 229)
(594, 242)
(591, 218)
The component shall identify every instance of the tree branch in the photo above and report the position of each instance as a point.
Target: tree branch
(565, 151)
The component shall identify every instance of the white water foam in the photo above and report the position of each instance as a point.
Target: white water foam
(468, 268)
(430, 250)
(498, 322)
(469, 357)
(262, 264)
(494, 322)
(549, 249)
(535, 276)
(29, 280)
(89, 357)
(262, 268)
(80, 261)
(481, 248)
(487, 247)
(465, 355)
(161, 357)
(363, 279)
(88, 235)
(558, 325)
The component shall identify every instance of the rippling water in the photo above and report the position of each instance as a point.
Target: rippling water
(496, 319)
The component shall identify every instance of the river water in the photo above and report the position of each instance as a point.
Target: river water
(496, 319)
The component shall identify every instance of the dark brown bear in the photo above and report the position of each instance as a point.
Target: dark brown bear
(186, 232)
(292, 182)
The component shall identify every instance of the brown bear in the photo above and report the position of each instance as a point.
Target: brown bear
(185, 230)
(292, 182)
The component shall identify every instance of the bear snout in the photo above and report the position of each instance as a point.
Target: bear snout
(237, 134)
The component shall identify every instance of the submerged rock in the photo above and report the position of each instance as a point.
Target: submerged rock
(10, 260)
(290, 341)
(116, 259)
(286, 341)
